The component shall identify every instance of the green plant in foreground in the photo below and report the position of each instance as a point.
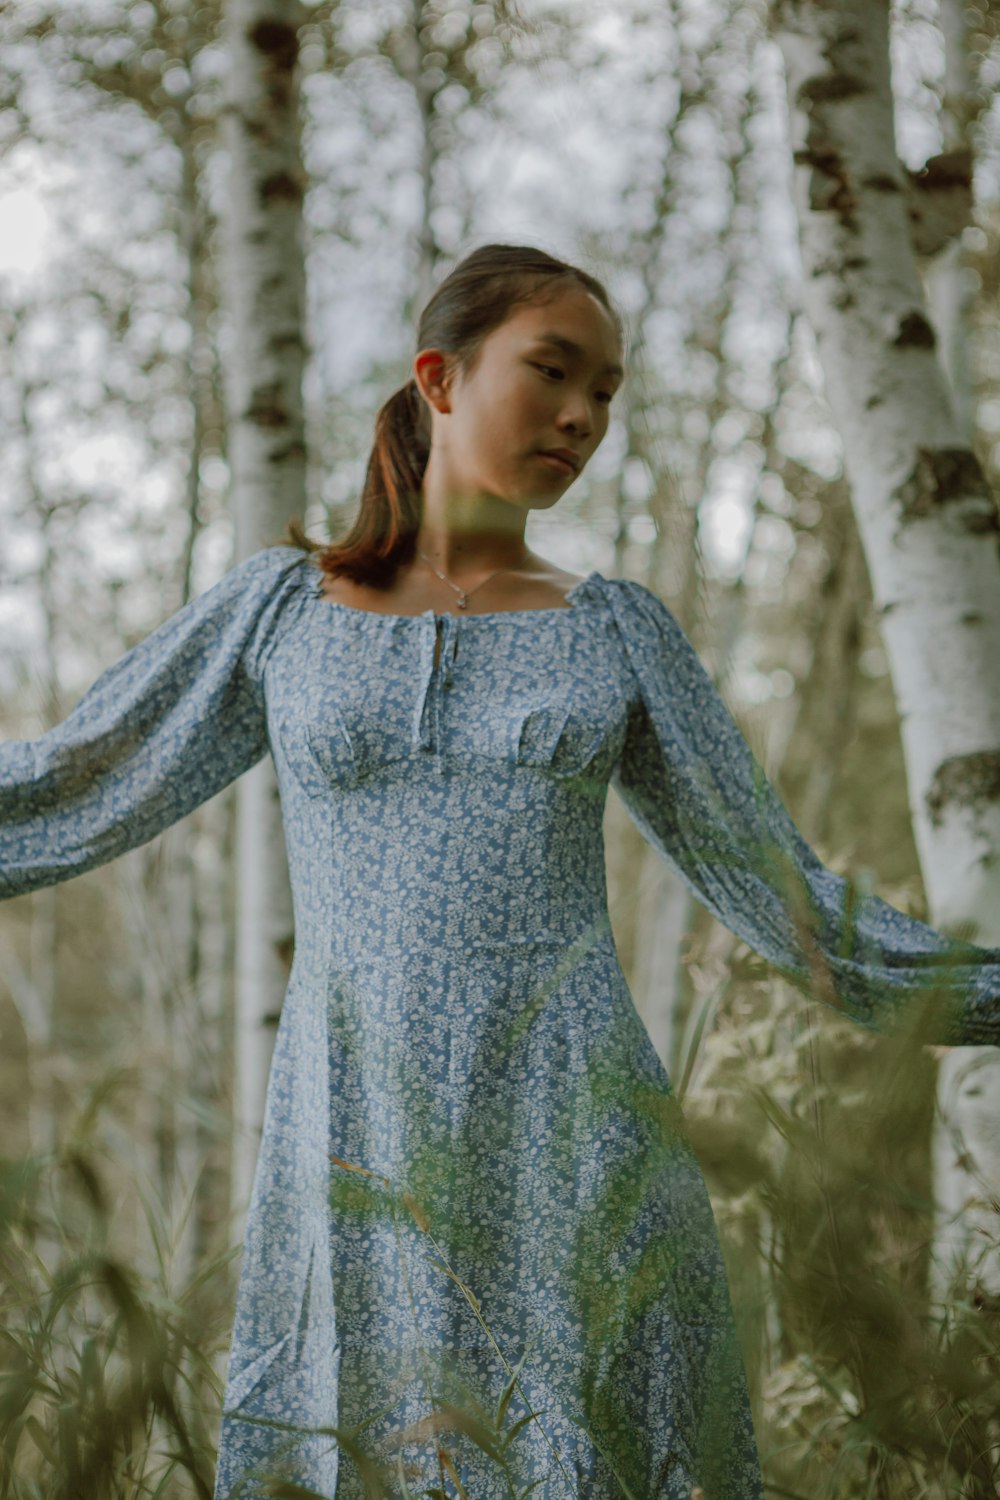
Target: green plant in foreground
(109, 1388)
(106, 1382)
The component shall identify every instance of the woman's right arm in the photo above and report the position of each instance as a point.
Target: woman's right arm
(175, 720)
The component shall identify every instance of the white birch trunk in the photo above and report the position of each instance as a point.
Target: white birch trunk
(201, 1039)
(264, 281)
(926, 519)
(949, 293)
(663, 907)
(966, 1144)
(211, 1051)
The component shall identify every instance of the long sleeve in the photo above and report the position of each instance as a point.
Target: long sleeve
(691, 783)
(171, 723)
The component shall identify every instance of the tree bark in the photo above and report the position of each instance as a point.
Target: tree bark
(264, 281)
(927, 521)
(949, 292)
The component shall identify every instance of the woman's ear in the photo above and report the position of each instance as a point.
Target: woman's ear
(433, 376)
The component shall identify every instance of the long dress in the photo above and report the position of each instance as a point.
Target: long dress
(476, 1220)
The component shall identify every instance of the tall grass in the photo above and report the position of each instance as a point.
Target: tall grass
(107, 1381)
(865, 1389)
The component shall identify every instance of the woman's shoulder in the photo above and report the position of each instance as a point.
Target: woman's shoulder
(271, 562)
(548, 583)
(250, 599)
(270, 571)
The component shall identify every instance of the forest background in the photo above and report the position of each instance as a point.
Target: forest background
(798, 209)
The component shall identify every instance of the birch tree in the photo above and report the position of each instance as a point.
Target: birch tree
(949, 292)
(926, 518)
(187, 1007)
(264, 280)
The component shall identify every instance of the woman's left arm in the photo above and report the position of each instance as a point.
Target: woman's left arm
(695, 789)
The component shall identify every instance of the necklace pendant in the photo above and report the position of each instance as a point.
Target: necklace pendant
(461, 601)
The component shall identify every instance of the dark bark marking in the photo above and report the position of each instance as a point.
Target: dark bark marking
(965, 781)
(940, 200)
(873, 401)
(278, 42)
(288, 452)
(914, 333)
(280, 187)
(843, 203)
(942, 475)
(824, 159)
(829, 187)
(881, 182)
(290, 340)
(285, 949)
(267, 408)
(830, 89)
(947, 170)
(829, 184)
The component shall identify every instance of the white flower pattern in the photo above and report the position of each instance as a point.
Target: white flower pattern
(461, 1083)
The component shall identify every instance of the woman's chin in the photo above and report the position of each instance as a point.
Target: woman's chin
(543, 502)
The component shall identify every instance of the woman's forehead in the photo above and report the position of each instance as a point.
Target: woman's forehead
(580, 328)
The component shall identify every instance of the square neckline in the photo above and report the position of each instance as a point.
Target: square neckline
(496, 614)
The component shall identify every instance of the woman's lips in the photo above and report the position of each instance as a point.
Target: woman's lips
(559, 465)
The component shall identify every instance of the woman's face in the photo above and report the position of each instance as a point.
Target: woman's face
(526, 394)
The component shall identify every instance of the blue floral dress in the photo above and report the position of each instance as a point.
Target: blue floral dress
(476, 1220)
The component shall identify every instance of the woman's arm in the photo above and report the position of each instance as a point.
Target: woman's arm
(693, 786)
(175, 720)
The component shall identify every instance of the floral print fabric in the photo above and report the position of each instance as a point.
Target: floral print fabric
(474, 1193)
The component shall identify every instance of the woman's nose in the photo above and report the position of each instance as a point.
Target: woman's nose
(576, 413)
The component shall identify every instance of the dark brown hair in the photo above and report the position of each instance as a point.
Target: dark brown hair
(473, 300)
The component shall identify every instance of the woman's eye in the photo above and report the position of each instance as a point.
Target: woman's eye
(552, 370)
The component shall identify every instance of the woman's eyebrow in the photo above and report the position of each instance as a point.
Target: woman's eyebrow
(559, 341)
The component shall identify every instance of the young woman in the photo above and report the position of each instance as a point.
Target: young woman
(474, 1191)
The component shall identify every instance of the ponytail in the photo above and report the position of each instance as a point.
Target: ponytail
(385, 528)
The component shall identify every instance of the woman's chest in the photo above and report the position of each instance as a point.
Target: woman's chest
(362, 693)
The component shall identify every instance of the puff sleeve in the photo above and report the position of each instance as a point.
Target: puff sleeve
(692, 785)
(166, 727)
